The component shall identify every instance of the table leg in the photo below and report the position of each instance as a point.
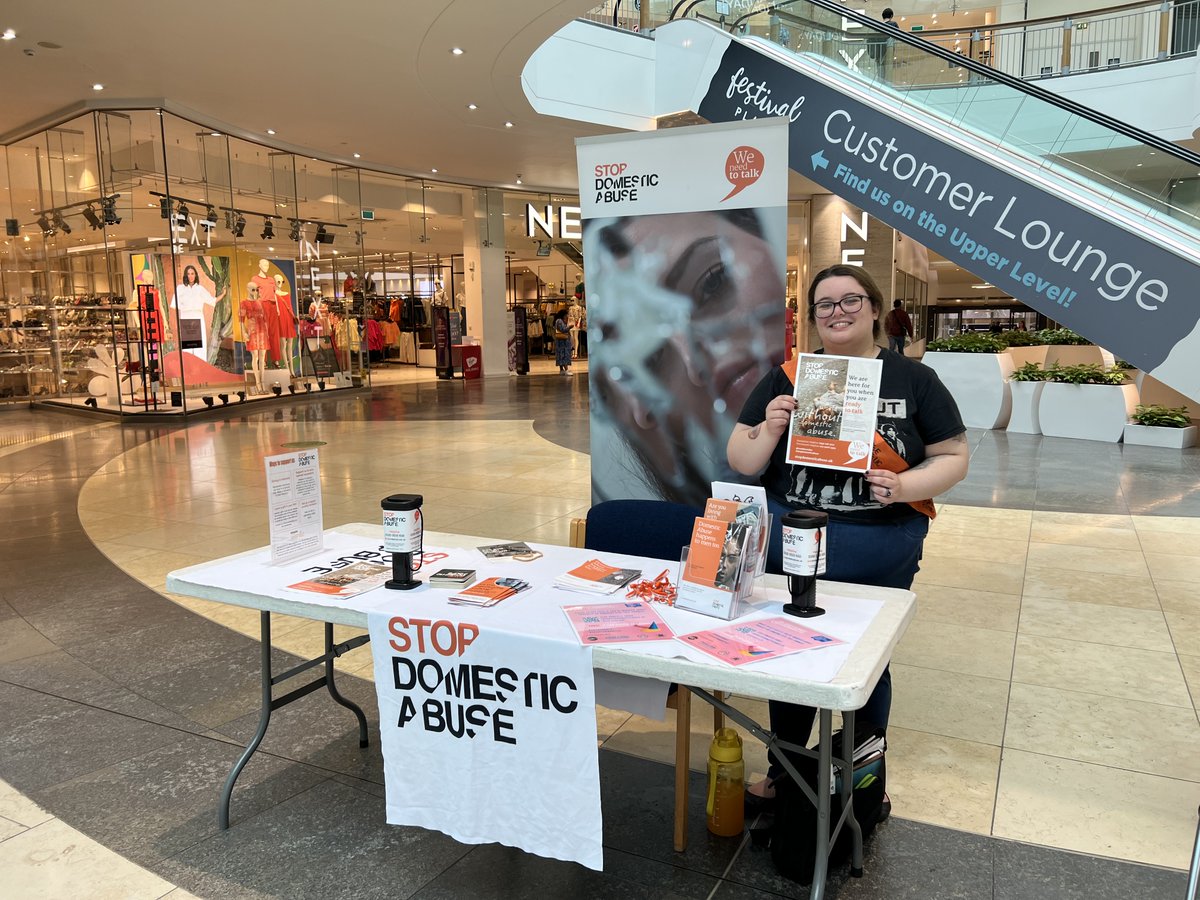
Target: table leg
(683, 738)
(271, 703)
(330, 655)
(847, 792)
(824, 795)
(264, 719)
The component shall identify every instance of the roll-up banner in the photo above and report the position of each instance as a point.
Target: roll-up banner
(685, 250)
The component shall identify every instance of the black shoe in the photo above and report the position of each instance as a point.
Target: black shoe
(885, 809)
(754, 804)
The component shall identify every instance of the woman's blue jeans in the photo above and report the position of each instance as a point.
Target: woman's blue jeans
(884, 554)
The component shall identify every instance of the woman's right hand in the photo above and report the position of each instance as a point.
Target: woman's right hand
(779, 415)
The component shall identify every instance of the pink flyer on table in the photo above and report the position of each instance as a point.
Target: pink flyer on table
(617, 623)
(748, 642)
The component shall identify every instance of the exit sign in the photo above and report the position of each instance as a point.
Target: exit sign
(917, 28)
(368, 215)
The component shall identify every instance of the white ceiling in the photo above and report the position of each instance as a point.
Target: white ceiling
(377, 79)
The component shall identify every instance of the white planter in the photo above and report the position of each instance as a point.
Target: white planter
(1090, 412)
(1157, 436)
(1026, 395)
(1022, 355)
(979, 384)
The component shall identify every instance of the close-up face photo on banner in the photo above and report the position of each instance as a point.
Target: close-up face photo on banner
(687, 314)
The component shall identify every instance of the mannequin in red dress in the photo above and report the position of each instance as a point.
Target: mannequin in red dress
(287, 322)
(253, 319)
(266, 294)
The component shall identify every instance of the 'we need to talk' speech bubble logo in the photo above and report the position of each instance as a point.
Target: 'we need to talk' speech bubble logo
(743, 167)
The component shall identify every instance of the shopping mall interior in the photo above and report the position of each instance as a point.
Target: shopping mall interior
(1045, 718)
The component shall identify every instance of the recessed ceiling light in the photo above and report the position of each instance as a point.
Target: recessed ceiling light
(357, 155)
(472, 106)
(8, 35)
(214, 134)
(270, 131)
(434, 171)
(97, 86)
(457, 51)
(508, 125)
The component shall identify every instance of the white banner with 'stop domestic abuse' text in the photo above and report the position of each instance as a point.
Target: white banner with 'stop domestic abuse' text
(489, 735)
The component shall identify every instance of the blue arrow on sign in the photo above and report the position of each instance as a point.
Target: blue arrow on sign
(819, 161)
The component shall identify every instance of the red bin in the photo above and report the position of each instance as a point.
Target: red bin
(472, 360)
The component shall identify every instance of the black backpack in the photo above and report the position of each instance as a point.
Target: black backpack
(792, 836)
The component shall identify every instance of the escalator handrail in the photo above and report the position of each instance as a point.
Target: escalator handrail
(984, 71)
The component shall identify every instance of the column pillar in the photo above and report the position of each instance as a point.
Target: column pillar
(484, 276)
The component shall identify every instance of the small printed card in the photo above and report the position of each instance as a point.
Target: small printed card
(502, 551)
(452, 578)
(617, 623)
(748, 642)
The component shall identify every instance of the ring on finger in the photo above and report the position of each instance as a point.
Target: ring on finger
(887, 492)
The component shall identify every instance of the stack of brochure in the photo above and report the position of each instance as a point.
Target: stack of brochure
(596, 577)
(489, 592)
(451, 578)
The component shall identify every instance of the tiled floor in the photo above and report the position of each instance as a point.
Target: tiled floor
(1044, 693)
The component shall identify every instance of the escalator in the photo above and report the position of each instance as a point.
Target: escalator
(1081, 217)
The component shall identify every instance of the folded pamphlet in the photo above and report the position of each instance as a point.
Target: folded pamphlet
(596, 577)
(488, 592)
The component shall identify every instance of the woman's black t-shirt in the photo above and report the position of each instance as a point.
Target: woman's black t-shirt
(915, 410)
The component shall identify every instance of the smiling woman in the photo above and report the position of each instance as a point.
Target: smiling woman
(877, 520)
(686, 316)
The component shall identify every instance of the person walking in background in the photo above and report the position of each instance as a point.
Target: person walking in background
(562, 342)
(880, 43)
(897, 324)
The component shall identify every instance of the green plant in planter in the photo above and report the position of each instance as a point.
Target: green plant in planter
(1061, 336)
(1161, 416)
(968, 343)
(1021, 338)
(1085, 373)
(1030, 371)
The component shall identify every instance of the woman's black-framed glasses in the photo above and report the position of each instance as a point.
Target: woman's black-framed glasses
(823, 309)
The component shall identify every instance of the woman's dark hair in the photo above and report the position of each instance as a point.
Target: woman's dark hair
(859, 274)
(195, 275)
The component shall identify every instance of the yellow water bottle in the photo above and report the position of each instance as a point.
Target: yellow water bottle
(726, 783)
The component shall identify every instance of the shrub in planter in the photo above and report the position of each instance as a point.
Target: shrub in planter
(1160, 426)
(1030, 371)
(1061, 336)
(1026, 385)
(1021, 338)
(967, 343)
(1086, 373)
(1161, 416)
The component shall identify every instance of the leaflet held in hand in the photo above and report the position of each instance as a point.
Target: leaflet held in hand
(837, 404)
